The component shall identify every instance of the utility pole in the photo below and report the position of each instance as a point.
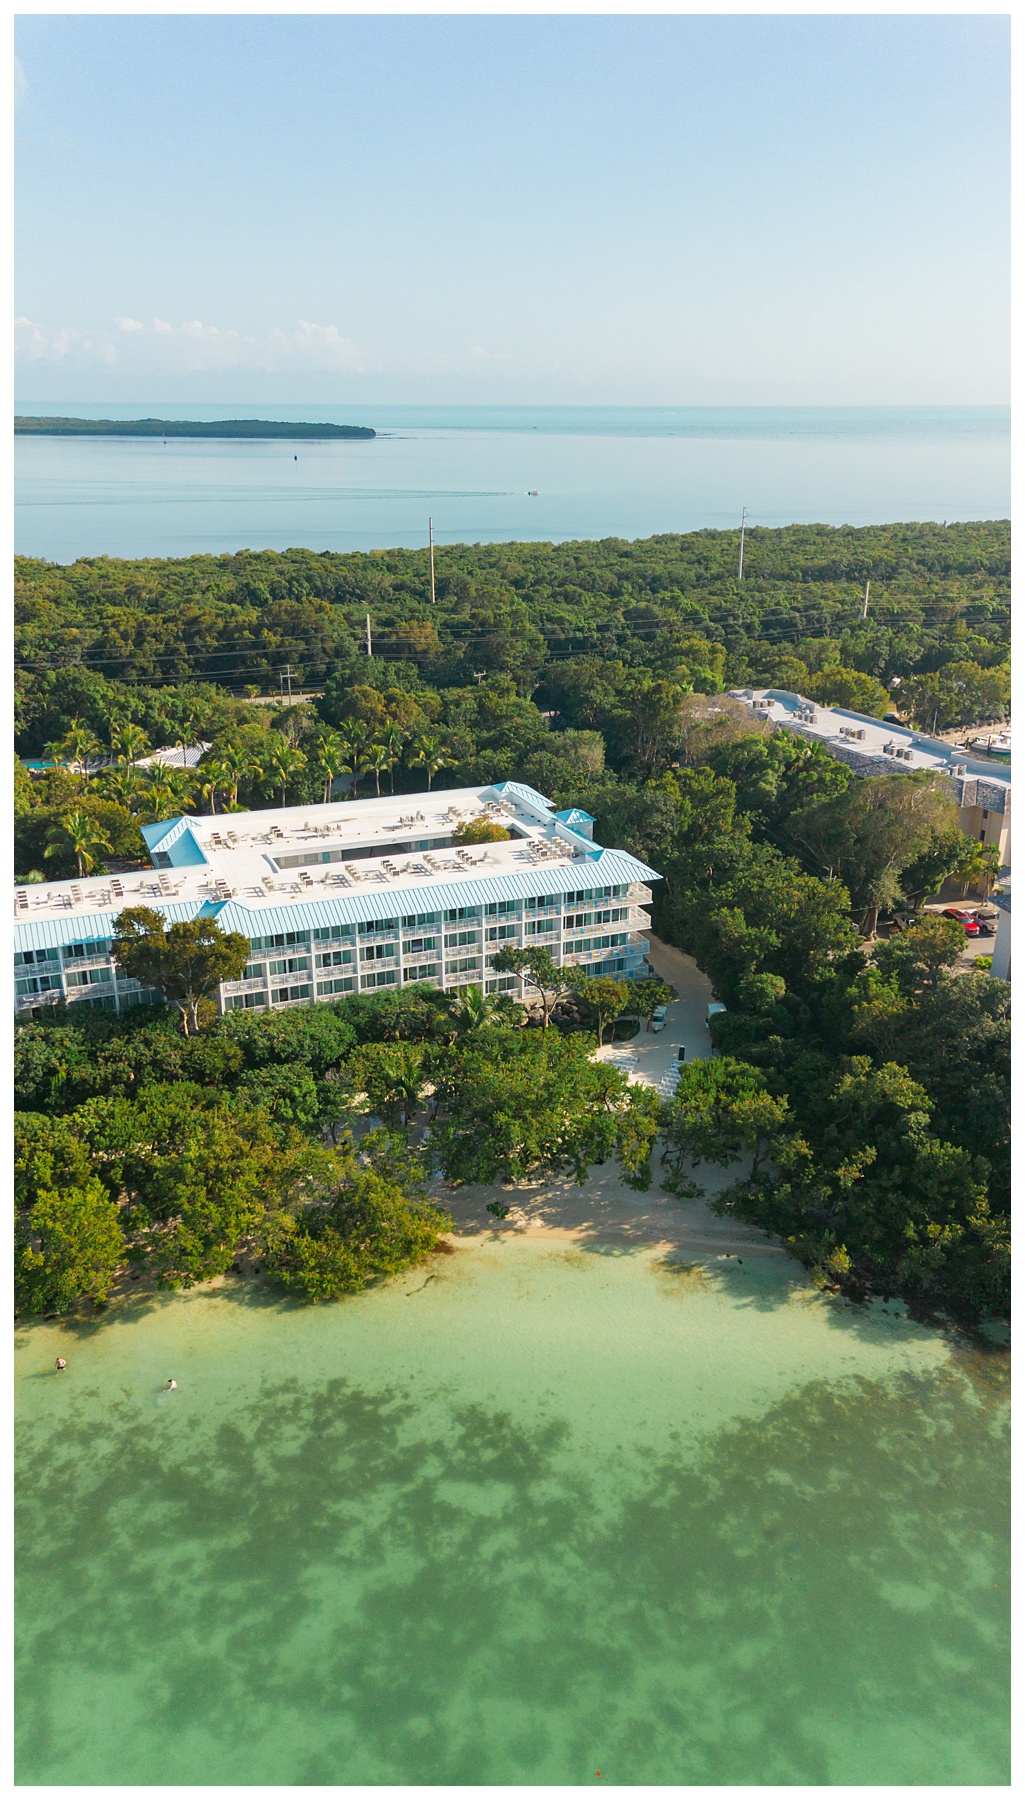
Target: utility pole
(864, 609)
(430, 530)
(370, 641)
(288, 677)
(740, 565)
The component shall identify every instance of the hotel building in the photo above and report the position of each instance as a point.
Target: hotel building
(348, 897)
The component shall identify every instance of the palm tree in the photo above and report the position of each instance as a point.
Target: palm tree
(471, 1009)
(330, 759)
(128, 741)
(78, 744)
(428, 752)
(354, 742)
(373, 760)
(79, 833)
(122, 785)
(167, 792)
(183, 720)
(284, 763)
(238, 764)
(393, 738)
(216, 776)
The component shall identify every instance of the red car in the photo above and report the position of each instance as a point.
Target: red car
(967, 919)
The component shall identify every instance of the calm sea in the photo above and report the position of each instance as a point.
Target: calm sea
(493, 474)
(541, 1515)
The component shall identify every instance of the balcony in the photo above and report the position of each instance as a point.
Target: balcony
(638, 893)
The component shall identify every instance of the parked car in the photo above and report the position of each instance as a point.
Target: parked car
(714, 1006)
(658, 1018)
(967, 919)
(903, 921)
(987, 923)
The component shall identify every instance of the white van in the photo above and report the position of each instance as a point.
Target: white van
(658, 1018)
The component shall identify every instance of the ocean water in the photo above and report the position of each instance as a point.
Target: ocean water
(530, 1514)
(599, 472)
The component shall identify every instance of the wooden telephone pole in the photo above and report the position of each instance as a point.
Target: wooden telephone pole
(430, 531)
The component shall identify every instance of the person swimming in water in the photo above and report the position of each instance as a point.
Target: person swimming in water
(171, 1383)
(61, 1365)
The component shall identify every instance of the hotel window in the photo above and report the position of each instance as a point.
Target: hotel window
(342, 984)
(329, 959)
(454, 940)
(379, 978)
(290, 993)
(417, 946)
(291, 965)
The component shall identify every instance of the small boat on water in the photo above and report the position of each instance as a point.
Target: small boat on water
(533, 493)
(993, 743)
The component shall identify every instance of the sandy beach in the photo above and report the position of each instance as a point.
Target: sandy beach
(603, 1209)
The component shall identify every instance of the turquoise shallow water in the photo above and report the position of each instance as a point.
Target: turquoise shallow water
(547, 1512)
(598, 471)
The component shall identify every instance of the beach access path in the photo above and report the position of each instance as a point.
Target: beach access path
(603, 1209)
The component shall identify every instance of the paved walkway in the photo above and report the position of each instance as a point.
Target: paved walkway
(655, 1052)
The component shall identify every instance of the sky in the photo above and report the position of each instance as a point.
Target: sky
(586, 210)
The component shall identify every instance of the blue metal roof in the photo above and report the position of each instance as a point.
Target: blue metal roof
(77, 927)
(612, 868)
(520, 791)
(602, 868)
(572, 815)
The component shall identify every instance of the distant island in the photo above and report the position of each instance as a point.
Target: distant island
(192, 428)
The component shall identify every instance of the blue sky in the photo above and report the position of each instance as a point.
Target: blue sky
(587, 210)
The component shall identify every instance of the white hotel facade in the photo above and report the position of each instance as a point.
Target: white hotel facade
(349, 897)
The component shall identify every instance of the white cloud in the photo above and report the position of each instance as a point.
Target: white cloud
(191, 347)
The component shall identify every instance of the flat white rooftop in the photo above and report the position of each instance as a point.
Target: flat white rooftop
(347, 860)
(852, 735)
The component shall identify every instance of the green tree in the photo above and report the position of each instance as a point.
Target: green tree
(128, 741)
(721, 1109)
(538, 969)
(428, 754)
(330, 759)
(372, 762)
(185, 961)
(471, 1009)
(393, 1077)
(480, 831)
(603, 997)
(377, 1223)
(646, 994)
(81, 835)
(68, 1246)
(68, 1240)
(285, 763)
(836, 686)
(515, 1104)
(869, 835)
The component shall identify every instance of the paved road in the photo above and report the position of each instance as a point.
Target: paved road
(656, 1051)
